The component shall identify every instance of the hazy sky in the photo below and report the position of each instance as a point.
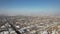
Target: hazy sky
(29, 7)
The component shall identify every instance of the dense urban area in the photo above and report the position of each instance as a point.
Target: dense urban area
(30, 24)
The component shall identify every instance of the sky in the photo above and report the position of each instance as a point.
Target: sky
(30, 7)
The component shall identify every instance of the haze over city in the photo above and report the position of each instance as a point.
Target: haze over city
(29, 16)
(30, 7)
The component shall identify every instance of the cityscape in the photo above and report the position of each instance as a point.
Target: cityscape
(30, 24)
(29, 16)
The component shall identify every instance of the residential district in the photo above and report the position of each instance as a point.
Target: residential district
(30, 24)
